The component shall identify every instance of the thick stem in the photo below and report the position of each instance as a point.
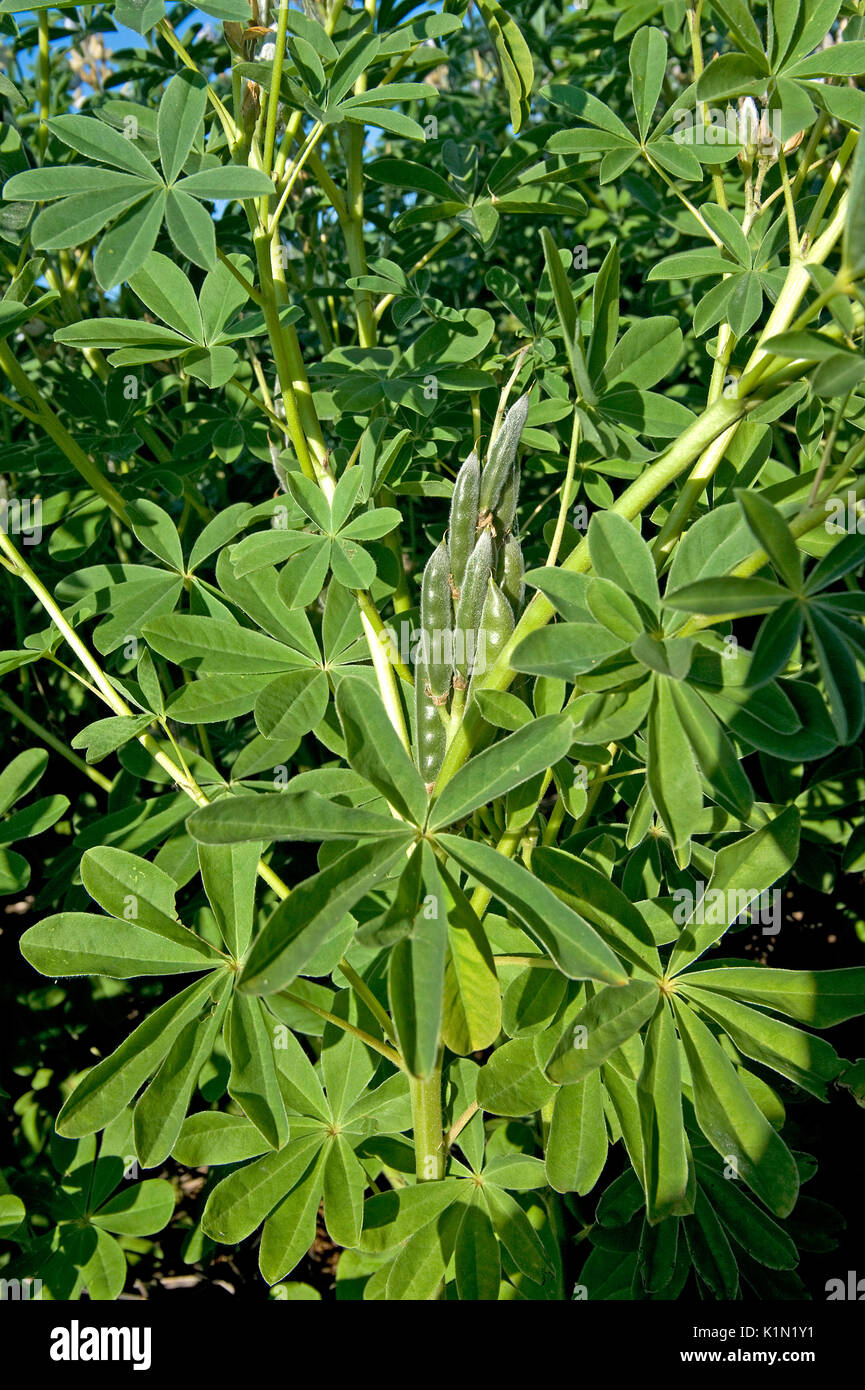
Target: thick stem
(292, 374)
(428, 1126)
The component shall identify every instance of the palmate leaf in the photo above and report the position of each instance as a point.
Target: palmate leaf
(133, 199)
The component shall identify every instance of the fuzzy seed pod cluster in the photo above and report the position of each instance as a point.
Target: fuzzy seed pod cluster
(472, 591)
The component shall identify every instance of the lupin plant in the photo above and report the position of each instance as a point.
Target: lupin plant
(430, 550)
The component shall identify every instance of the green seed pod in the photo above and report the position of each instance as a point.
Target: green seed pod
(436, 615)
(497, 624)
(471, 604)
(506, 508)
(503, 452)
(513, 571)
(464, 518)
(430, 732)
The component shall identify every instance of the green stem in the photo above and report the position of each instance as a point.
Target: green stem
(54, 742)
(275, 79)
(363, 991)
(367, 1038)
(565, 501)
(311, 452)
(44, 82)
(352, 227)
(32, 398)
(428, 1126)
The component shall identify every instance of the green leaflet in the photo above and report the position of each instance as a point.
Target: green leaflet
(741, 873)
(297, 928)
(390, 1218)
(568, 939)
(820, 998)
(516, 1233)
(476, 1256)
(808, 1061)
(138, 1211)
(514, 57)
(512, 1083)
(472, 1001)
(136, 891)
(79, 943)
(671, 772)
(420, 1266)
(344, 1182)
(497, 770)
(374, 750)
(747, 1223)
(253, 1081)
(160, 1111)
(731, 1121)
(239, 1204)
(600, 1028)
(416, 971)
(111, 1084)
(597, 899)
(576, 1149)
(666, 1171)
(211, 1136)
(710, 1250)
(288, 815)
(229, 876)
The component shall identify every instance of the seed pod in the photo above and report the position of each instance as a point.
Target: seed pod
(435, 620)
(513, 570)
(506, 509)
(463, 518)
(497, 624)
(502, 454)
(471, 604)
(430, 732)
